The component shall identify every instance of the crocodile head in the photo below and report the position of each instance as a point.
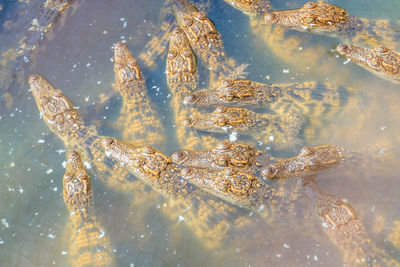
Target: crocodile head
(239, 92)
(232, 186)
(126, 69)
(181, 67)
(309, 160)
(225, 154)
(223, 119)
(56, 109)
(77, 189)
(312, 17)
(251, 7)
(145, 162)
(380, 60)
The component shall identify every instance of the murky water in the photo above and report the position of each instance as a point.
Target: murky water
(75, 57)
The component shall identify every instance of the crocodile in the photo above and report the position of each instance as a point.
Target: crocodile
(182, 78)
(89, 246)
(15, 61)
(309, 160)
(268, 128)
(380, 60)
(343, 226)
(240, 157)
(333, 20)
(318, 102)
(207, 217)
(138, 118)
(156, 47)
(63, 119)
(206, 41)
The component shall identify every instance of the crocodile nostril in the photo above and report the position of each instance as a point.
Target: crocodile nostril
(269, 172)
(342, 48)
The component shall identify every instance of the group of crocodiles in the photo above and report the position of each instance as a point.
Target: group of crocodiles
(212, 178)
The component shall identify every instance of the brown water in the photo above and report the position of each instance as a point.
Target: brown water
(75, 57)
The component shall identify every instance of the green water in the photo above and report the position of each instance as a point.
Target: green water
(75, 57)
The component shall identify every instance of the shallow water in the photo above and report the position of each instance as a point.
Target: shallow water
(75, 57)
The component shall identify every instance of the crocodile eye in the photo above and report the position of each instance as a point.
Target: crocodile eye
(187, 122)
(179, 156)
(188, 21)
(201, 15)
(131, 62)
(227, 83)
(172, 54)
(187, 173)
(269, 172)
(148, 150)
(306, 151)
(191, 98)
(222, 161)
(118, 66)
(34, 78)
(224, 145)
(177, 31)
(343, 49)
(270, 17)
(68, 177)
(108, 142)
(57, 93)
(220, 110)
(381, 49)
(310, 5)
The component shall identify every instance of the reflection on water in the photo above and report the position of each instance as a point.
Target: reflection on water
(75, 57)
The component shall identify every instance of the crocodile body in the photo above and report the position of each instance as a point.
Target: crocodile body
(382, 61)
(265, 127)
(331, 19)
(208, 218)
(309, 160)
(239, 157)
(89, 246)
(182, 78)
(14, 61)
(63, 119)
(345, 229)
(138, 119)
(203, 37)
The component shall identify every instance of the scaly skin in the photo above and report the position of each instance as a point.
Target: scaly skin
(239, 188)
(309, 160)
(88, 245)
(64, 120)
(380, 60)
(331, 19)
(182, 78)
(157, 46)
(14, 61)
(345, 229)
(282, 130)
(207, 218)
(138, 118)
(251, 7)
(239, 157)
(203, 37)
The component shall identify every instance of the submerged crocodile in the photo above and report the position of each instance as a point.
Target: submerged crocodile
(380, 60)
(345, 229)
(89, 246)
(331, 19)
(138, 119)
(268, 128)
(239, 157)
(205, 40)
(14, 61)
(207, 217)
(182, 78)
(309, 160)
